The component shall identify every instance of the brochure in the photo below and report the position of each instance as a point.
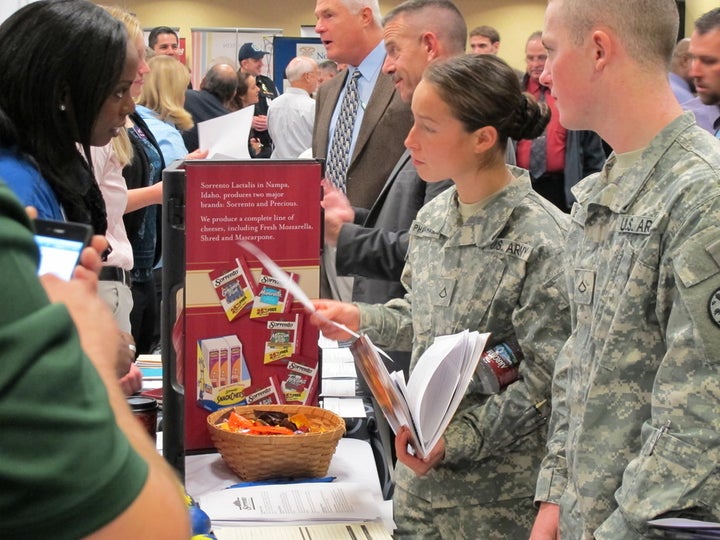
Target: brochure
(428, 401)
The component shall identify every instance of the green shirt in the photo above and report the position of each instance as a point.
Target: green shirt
(66, 469)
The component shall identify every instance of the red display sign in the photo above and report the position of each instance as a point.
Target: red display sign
(243, 337)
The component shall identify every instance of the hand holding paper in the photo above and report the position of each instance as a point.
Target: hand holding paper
(322, 320)
(279, 274)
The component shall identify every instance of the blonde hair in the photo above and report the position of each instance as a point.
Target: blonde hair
(164, 91)
(121, 144)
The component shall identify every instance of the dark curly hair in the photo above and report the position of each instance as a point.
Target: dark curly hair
(67, 53)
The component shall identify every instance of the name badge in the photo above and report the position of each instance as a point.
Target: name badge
(517, 249)
(635, 225)
(444, 293)
(418, 229)
(584, 286)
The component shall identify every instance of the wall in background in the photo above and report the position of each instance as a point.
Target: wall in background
(514, 19)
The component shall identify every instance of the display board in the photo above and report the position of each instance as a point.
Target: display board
(287, 48)
(211, 46)
(220, 346)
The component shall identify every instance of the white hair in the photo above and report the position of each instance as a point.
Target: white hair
(354, 6)
(299, 66)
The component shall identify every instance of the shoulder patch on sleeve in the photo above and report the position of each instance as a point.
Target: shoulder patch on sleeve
(714, 307)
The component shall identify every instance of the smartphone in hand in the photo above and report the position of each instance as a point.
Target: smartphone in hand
(60, 243)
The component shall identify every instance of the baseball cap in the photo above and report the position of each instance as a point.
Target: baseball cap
(248, 50)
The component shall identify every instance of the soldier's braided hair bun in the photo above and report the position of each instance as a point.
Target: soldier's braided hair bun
(482, 90)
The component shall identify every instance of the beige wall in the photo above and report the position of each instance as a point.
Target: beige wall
(514, 19)
(693, 10)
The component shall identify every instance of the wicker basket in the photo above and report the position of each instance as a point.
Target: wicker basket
(259, 457)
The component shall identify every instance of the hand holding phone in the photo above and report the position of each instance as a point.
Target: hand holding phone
(60, 243)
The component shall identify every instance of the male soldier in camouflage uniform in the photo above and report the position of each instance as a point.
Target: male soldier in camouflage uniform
(486, 254)
(635, 427)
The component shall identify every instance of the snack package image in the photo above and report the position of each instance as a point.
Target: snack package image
(222, 372)
(282, 337)
(234, 287)
(272, 297)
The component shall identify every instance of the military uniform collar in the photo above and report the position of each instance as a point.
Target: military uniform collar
(487, 225)
(621, 195)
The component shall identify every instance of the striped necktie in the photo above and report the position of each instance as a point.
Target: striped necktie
(339, 154)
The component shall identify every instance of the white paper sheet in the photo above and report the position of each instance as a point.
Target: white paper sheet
(338, 388)
(345, 407)
(370, 531)
(227, 136)
(338, 370)
(683, 523)
(342, 354)
(291, 502)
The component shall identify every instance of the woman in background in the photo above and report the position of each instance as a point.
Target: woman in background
(486, 255)
(247, 94)
(161, 105)
(108, 163)
(154, 134)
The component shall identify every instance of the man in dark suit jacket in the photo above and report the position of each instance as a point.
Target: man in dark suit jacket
(372, 247)
(216, 90)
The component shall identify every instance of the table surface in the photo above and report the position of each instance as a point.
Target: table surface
(353, 462)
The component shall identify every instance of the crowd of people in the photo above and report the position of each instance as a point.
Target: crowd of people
(571, 208)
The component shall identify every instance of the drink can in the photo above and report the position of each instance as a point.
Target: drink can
(145, 410)
(499, 366)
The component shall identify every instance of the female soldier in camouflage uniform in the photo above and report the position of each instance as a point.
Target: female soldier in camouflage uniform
(484, 255)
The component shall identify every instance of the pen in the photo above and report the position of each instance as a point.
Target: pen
(656, 437)
(280, 481)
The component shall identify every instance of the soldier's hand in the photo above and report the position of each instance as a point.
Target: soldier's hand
(419, 466)
(546, 526)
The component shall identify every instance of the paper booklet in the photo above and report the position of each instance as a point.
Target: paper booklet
(428, 401)
(304, 502)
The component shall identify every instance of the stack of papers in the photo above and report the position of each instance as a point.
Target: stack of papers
(150, 365)
(339, 381)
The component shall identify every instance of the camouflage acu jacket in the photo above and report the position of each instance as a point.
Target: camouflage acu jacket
(635, 428)
(501, 271)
